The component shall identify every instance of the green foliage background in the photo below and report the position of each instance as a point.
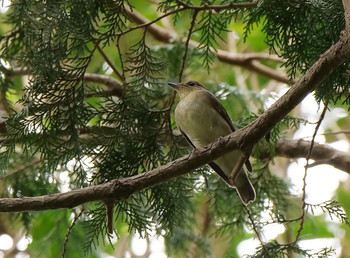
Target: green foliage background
(56, 120)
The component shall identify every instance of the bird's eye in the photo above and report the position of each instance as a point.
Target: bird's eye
(191, 83)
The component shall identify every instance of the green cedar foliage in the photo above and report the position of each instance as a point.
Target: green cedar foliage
(300, 31)
(66, 123)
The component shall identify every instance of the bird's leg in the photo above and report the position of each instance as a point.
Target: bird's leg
(242, 159)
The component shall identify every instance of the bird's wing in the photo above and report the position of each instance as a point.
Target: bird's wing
(212, 164)
(187, 138)
(217, 105)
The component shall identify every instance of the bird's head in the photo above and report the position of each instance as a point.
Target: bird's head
(185, 88)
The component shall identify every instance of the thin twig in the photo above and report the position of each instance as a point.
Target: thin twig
(121, 60)
(193, 22)
(113, 84)
(69, 232)
(332, 133)
(109, 62)
(5, 104)
(302, 220)
(256, 231)
(21, 168)
(150, 22)
(218, 8)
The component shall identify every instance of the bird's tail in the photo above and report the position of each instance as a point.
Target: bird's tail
(244, 188)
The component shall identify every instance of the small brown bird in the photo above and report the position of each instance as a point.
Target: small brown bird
(202, 120)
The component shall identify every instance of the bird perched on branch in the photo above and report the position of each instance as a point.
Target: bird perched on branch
(202, 120)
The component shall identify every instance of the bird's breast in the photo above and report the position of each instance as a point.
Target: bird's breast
(199, 120)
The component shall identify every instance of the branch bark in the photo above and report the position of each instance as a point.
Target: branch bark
(244, 139)
(115, 87)
(321, 153)
(346, 4)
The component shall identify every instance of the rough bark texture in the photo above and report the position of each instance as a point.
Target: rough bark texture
(321, 153)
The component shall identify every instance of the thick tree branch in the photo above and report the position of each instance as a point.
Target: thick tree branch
(248, 61)
(118, 189)
(321, 153)
(244, 139)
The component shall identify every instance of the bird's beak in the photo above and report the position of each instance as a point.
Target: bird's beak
(173, 85)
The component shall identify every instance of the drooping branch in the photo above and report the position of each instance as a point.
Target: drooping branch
(244, 139)
(308, 156)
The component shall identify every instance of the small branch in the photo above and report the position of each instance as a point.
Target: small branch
(158, 32)
(302, 220)
(254, 66)
(187, 44)
(121, 60)
(69, 232)
(335, 133)
(321, 153)
(256, 231)
(115, 86)
(218, 8)
(21, 168)
(109, 62)
(5, 104)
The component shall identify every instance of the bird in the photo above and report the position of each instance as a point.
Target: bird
(202, 119)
